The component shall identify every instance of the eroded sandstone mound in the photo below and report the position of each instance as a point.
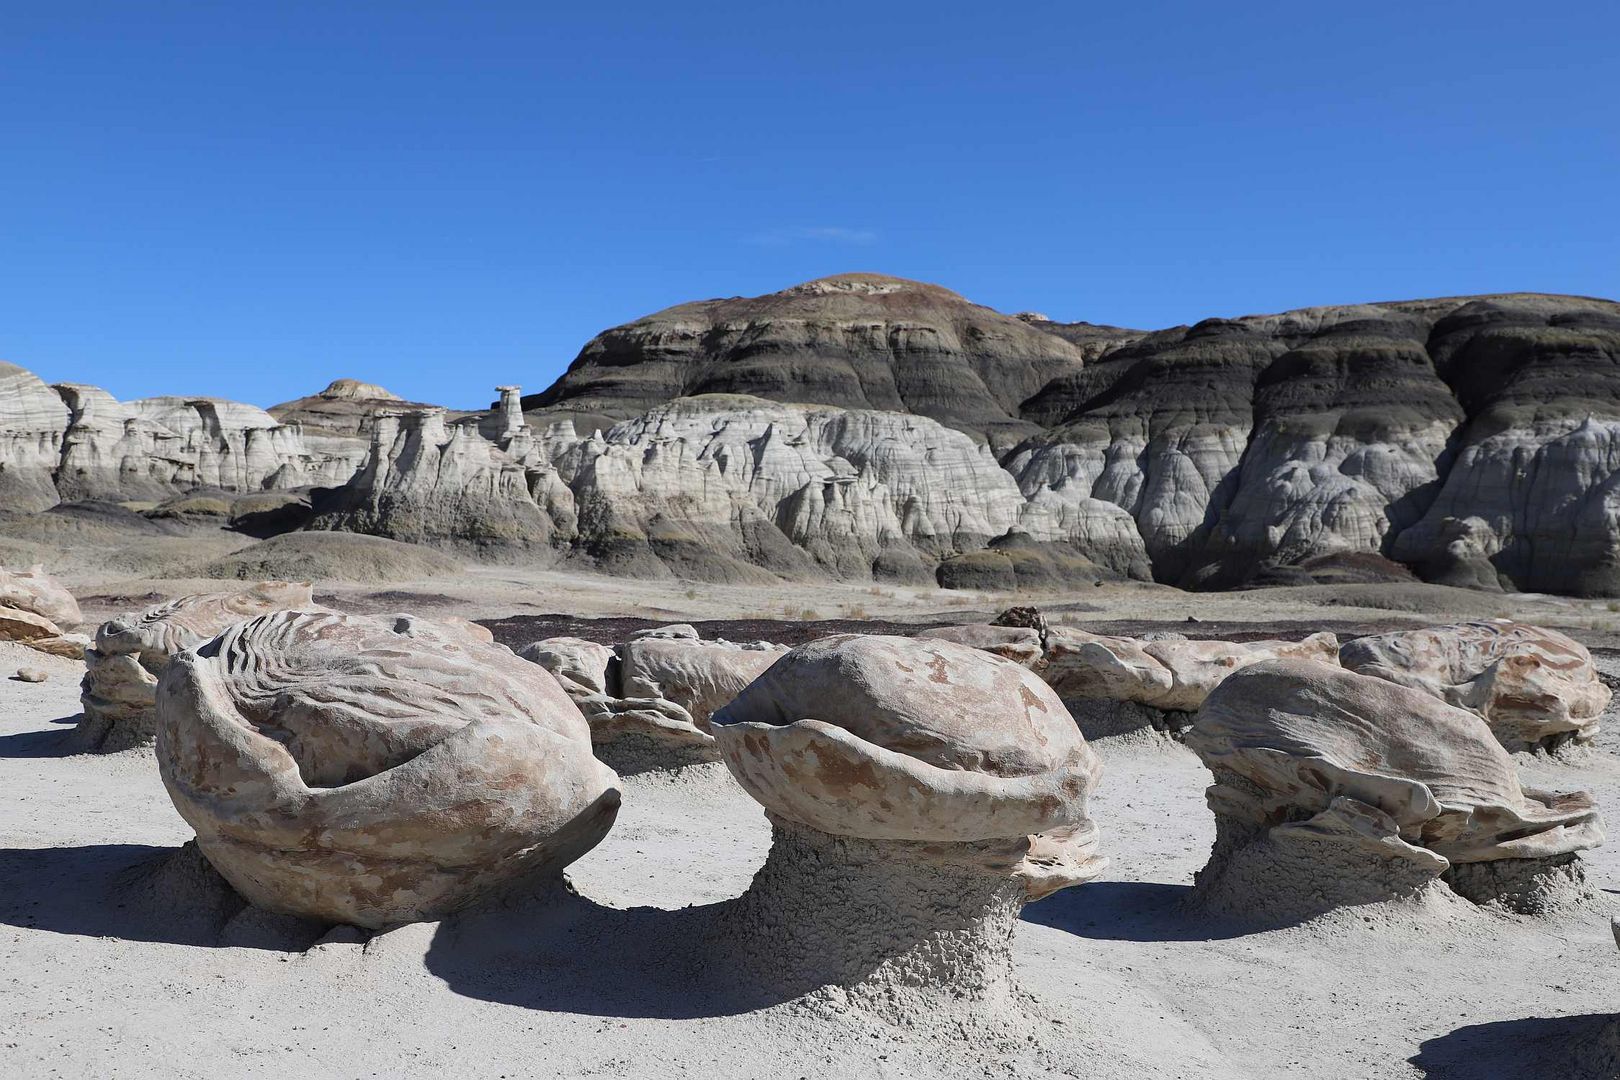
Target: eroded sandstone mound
(131, 652)
(1334, 788)
(1535, 687)
(1119, 684)
(376, 770)
(327, 556)
(649, 700)
(919, 793)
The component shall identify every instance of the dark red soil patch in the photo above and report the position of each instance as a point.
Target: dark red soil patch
(517, 631)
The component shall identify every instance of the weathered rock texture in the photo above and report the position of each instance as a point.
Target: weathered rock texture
(425, 480)
(376, 770)
(1168, 671)
(649, 700)
(119, 691)
(1535, 687)
(1241, 444)
(1334, 788)
(1122, 685)
(337, 423)
(38, 612)
(919, 792)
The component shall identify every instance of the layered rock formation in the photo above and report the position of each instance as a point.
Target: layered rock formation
(799, 489)
(1450, 434)
(1229, 449)
(1530, 498)
(338, 422)
(72, 442)
(858, 341)
(865, 426)
(33, 423)
(428, 481)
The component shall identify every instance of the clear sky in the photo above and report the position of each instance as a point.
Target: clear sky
(250, 199)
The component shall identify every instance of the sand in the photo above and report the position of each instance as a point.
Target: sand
(1122, 981)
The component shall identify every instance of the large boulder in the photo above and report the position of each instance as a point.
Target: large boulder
(1536, 688)
(376, 770)
(1116, 685)
(649, 700)
(1334, 788)
(38, 612)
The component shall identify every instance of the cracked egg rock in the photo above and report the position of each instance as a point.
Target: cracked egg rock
(931, 742)
(375, 770)
(1343, 788)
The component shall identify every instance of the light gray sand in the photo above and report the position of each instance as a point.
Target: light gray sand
(1124, 983)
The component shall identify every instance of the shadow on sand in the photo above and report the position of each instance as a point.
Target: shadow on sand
(1133, 911)
(571, 954)
(51, 742)
(137, 892)
(1534, 1048)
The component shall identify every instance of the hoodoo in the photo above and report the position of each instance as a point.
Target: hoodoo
(919, 793)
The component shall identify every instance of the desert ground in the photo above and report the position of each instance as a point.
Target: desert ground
(108, 969)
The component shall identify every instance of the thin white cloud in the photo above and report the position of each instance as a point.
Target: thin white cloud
(823, 234)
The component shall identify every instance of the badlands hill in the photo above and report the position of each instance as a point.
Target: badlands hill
(862, 426)
(856, 341)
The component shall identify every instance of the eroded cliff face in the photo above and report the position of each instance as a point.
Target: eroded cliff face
(1531, 495)
(714, 487)
(33, 423)
(431, 482)
(71, 442)
(1473, 439)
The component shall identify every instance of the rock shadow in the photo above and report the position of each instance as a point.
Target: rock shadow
(1134, 911)
(138, 892)
(569, 954)
(51, 742)
(1532, 1048)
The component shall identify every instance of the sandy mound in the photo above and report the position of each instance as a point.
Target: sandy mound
(332, 556)
(1413, 597)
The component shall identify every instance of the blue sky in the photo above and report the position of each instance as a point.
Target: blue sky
(251, 199)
